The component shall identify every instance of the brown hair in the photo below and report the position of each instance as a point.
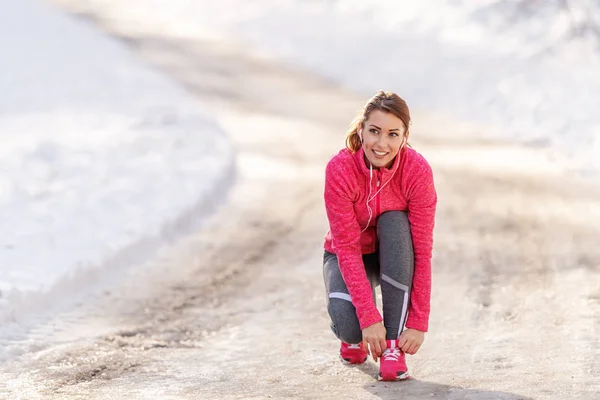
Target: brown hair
(384, 101)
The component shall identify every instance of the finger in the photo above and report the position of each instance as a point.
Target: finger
(373, 353)
(411, 349)
(377, 348)
(383, 345)
(402, 341)
(406, 346)
(366, 346)
(371, 348)
(417, 347)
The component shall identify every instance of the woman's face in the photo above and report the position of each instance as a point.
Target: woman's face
(383, 136)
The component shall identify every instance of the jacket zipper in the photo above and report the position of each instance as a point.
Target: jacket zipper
(378, 204)
(378, 194)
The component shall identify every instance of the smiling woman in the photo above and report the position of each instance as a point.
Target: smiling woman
(383, 138)
(380, 200)
(382, 127)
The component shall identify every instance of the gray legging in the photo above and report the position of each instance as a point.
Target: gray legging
(392, 267)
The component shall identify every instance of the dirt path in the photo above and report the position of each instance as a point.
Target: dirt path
(236, 311)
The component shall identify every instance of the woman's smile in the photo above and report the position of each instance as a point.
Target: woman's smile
(380, 154)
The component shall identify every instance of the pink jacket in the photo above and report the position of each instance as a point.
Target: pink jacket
(410, 189)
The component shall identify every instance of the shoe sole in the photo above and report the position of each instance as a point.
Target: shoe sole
(351, 363)
(402, 377)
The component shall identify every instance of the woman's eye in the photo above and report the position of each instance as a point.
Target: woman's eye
(393, 134)
(373, 131)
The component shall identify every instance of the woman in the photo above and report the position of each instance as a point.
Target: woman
(380, 201)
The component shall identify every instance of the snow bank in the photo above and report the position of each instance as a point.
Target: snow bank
(527, 70)
(102, 160)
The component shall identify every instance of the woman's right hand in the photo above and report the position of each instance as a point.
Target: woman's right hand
(374, 340)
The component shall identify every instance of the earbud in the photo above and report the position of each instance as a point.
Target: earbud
(360, 135)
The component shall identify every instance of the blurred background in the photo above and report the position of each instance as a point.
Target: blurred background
(111, 149)
(97, 154)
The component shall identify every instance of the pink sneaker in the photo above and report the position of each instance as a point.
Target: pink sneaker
(353, 353)
(392, 365)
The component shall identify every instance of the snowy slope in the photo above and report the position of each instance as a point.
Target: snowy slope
(528, 70)
(102, 159)
(524, 72)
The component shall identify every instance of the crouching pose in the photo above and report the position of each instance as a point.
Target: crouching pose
(380, 201)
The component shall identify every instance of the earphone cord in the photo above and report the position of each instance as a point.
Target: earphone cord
(369, 197)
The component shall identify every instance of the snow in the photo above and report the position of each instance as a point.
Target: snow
(527, 71)
(99, 152)
(102, 159)
(446, 57)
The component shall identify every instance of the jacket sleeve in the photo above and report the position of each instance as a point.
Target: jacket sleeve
(422, 202)
(345, 233)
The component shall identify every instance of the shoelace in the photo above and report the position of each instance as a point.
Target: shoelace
(354, 346)
(391, 354)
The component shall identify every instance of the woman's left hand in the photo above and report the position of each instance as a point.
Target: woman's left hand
(410, 340)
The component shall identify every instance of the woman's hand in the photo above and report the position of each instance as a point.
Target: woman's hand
(410, 340)
(374, 340)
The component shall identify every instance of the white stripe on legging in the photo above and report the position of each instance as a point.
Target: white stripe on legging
(404, 288)
(340, 295)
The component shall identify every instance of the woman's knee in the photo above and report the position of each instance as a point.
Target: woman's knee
(395, 240)
(393, 221)
(344, 322)
(350, 336)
